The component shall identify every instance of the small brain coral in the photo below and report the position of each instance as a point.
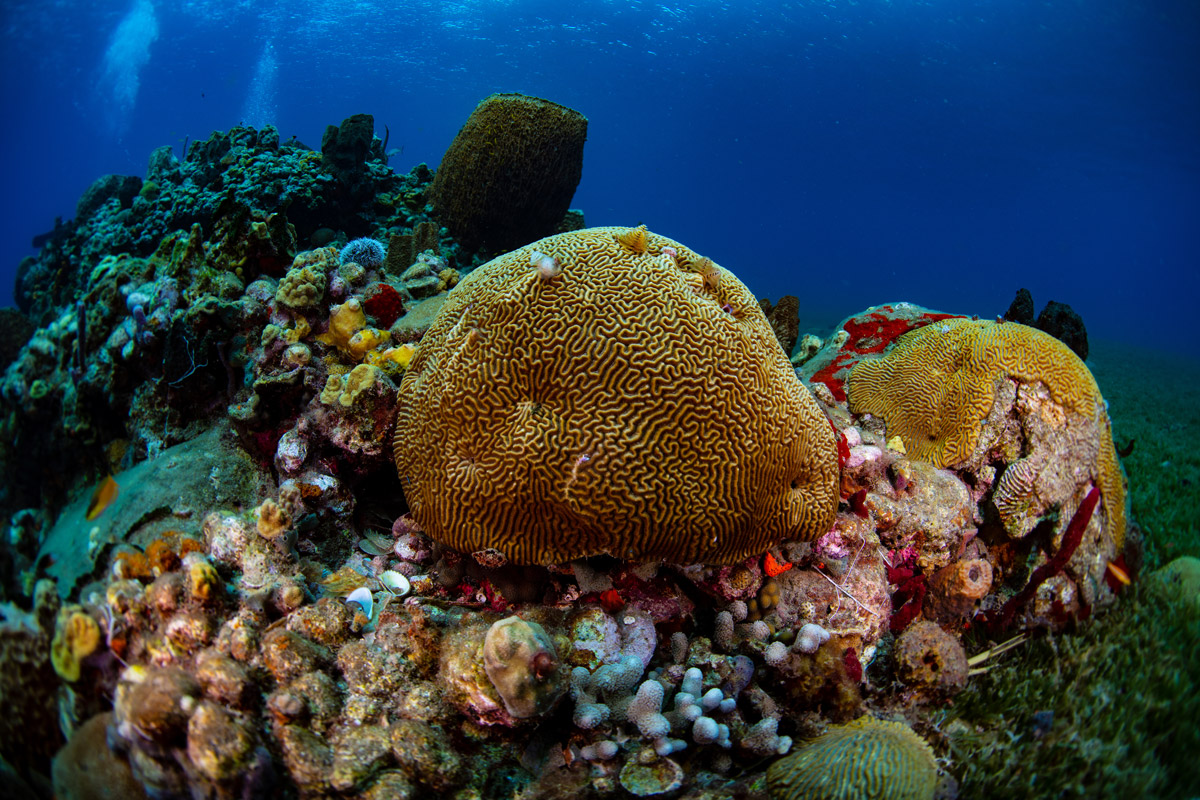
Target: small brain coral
(866, 758)
(939, 383)
(628, 406)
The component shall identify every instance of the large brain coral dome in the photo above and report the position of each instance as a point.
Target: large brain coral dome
(610, 391)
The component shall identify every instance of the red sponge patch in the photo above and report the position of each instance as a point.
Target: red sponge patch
(384, 304)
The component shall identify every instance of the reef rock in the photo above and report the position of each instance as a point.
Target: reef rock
(961, 393)
(157, 495)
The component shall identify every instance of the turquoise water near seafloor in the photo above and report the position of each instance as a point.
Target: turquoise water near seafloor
(846, 152)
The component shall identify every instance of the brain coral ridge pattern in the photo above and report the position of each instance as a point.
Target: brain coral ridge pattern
(938, 383)
(868, 757)
(633, 401)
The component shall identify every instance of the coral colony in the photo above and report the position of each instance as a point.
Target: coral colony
(376, 514)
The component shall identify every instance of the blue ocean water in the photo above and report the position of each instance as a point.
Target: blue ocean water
(850, 153)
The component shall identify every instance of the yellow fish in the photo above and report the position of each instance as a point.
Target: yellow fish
(103, 497)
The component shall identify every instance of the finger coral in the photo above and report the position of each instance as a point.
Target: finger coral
(868, 757)
(600, 413)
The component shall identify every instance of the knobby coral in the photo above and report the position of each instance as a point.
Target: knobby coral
(624, 407)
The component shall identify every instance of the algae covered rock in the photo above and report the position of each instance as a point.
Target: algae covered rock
(87, 769)
(510, 173)
(610, 391)
(521, 662)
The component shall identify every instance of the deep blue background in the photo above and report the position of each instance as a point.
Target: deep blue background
(942, 152)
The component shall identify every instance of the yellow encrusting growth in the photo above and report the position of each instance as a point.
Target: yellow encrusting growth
(76, 636)
(868, 757)
(621, 408)
(937, 385)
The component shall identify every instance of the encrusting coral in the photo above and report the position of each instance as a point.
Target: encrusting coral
(521, 662)
(553, 419)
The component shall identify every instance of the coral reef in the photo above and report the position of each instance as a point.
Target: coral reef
(509, 175)
(534, 457)
(607, 557)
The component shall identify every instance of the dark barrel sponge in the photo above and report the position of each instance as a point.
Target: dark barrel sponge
(510, 173)
(1064, 323)
(1021, 309)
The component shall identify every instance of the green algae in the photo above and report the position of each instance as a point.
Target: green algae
(1116, 700)
(1124, 692)
(1153, 404)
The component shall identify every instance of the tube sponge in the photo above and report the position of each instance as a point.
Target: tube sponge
(521, 662)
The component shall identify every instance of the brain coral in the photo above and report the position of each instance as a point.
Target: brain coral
(510, 173)
(618, 403)
(938, 384)
(866, 758)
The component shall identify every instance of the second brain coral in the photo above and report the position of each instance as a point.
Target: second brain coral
(631, 401)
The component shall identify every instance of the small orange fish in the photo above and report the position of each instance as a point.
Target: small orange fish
(610, 600)
(102, 498)
(1118, 572)
(773, 567)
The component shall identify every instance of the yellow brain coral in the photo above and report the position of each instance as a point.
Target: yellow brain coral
(617, 405)
(866, 758)
(937, 385)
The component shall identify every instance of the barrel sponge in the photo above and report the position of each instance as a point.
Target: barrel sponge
(938, 383)
(868, 757)
(634, 403)
(510, 173)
